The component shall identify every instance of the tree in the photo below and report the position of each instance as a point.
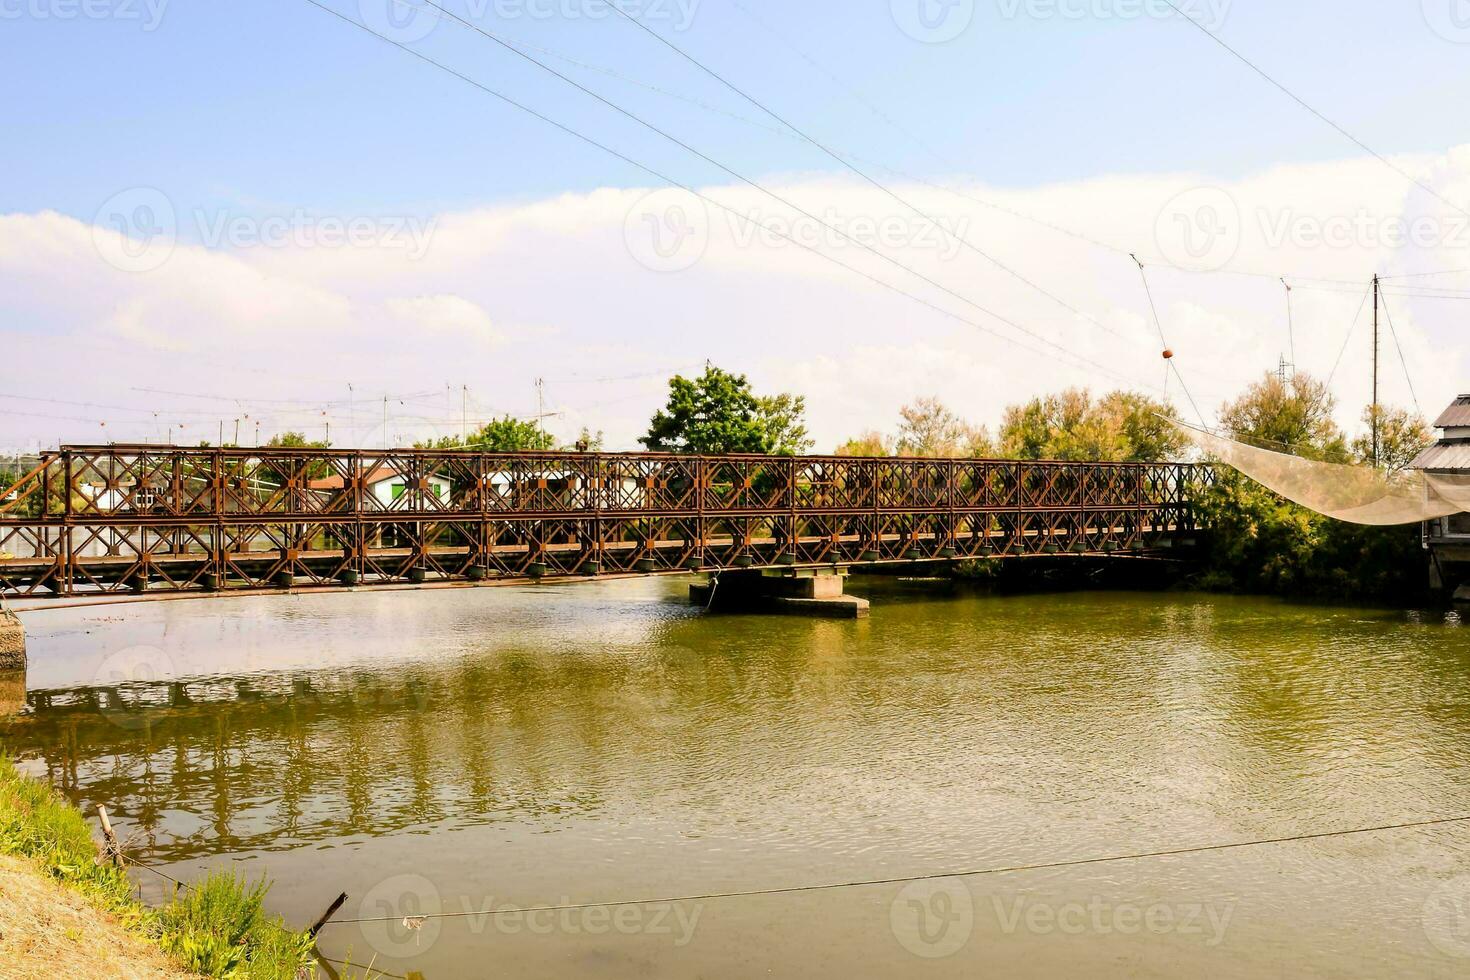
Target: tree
(870, 443)
(587, 441)
(784, 418)
(315, 470)
(928, 428)
(507, 434)
(1293, 416)
(1401, 436)
(718, 413)
(1121, 426)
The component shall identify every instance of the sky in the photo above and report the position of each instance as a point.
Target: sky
(224, 218)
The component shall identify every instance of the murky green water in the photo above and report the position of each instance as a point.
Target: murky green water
(462, 750)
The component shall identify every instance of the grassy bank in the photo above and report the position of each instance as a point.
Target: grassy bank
(217, 928)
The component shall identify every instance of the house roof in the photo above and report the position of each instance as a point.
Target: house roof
(335, 481)
(1444, 456)
(1457, 414)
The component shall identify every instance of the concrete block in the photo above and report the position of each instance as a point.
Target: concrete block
(840, 607)
(816, 587)
(1462, 594)
(12, 642)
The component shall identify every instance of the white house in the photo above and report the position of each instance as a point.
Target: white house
(386, 484)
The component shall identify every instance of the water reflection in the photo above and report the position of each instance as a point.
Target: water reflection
(607, 741)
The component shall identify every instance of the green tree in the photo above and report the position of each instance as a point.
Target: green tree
(1121, 426)
(928, 428)
(718, 413)
(587, 441)
(1402, 435)
(1293, 416)
(784, 419)
(315, 470)
(870, 443)
(507, 434)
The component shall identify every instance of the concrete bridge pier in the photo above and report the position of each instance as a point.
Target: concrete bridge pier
(12, 642)
(788, 591)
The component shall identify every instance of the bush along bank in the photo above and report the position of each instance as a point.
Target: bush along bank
(1258, 542)
(217, 928)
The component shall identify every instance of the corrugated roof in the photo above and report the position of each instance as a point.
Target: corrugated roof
(1444, 456)
(1457, 414)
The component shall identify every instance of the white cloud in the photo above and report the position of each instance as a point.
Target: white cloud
(613, 296)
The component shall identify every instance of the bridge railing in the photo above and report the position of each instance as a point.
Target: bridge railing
(107, 518)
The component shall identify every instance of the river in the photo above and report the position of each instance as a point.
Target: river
(460, 750)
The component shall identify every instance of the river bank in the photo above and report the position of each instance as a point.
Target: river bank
(66, 910)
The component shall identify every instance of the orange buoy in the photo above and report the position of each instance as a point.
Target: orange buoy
(1168, 354)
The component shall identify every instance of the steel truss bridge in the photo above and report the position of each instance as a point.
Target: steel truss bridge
(118, 519)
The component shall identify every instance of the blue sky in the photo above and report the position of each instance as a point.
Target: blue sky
(502, 250)
(275, 101)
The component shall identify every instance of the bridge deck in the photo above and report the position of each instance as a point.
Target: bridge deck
(130, 518)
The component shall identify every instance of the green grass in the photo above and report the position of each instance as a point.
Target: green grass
(218, 927)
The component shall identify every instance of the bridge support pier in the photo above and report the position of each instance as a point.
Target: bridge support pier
(12, 642)
(791, 592)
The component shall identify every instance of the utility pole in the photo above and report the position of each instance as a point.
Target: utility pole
(1374, 410)
(464, 413)
(540, 402)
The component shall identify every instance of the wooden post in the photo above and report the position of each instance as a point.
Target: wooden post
(112, 846)
(331, 911)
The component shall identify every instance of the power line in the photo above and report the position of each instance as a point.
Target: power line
(651, 127)
(961, 239)
(934, 876)
(1402, 361)
(1302, 102)
(851, 91)
(1348, 339)
(1083, 361)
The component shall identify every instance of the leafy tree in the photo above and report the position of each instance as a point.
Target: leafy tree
(1401, 436)
(1260, 542)
(928, 428)
(1122, 426)
(784, 418)
(587, 441)
(507, 434)
(718, 413)
(1293, 416)
(870, 443)
(294, 440)
(315, 470)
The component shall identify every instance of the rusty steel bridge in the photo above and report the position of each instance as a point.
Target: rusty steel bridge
(95, 520)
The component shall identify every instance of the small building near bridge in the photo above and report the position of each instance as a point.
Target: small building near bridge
(1448, 538)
